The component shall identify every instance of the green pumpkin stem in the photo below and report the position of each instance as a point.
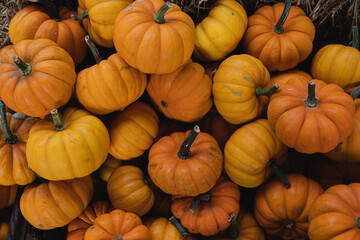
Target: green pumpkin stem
(81, 16)
(148, 181)
(93, 49)
(118, 238)
(204, 197)
(259, 91)
(279, 172)
(24, 67)
(178, 226)
(279, 27)
(355, 93)
(59, 124)
(355, 35)
(358, 222)
(184, 152)
(160, 15)
(9, 137)
(311, 100)
(54, 11)
(232, 232)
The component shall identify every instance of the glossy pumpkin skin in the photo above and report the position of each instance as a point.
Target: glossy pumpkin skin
(14, 165)
(118, 225)
(283, 77)
(57, 203)
(152, 47)
(76, 151)
(108, 167)
(47, 87)
(78, 226)
(284, 212)
(33, 22)
(102, 15)
(311, 129)
(221, 31)
(224, 201)
(8, 194)
(133, 131)
(187, 177)
(109, 86)
(334, 215)
(234, 88)
(335, 63)
(248, 152)
(128, 190)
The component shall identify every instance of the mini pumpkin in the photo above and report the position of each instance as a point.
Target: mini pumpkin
(163, 229)
(4, 229)
(108, 167)
(283, 77)
(8, 194)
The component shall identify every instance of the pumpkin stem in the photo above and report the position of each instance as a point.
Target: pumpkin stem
(178, 226)
(311, 100)
(259, 91)
(159, 16)
(148, 181)
(279, 27)
(204, 197)
(59, 124)
(118, 238)
(348, 180)
(358, 222)
(338, 147)
(355, 41)
(355, 93)
(24, 67)
(81, 16)
(93, 49)
(54, 11)
(184, 152)
(9, 137)
(289, 223)
(232, 231)
(279, 172)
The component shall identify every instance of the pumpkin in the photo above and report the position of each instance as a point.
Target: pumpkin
(108, 167)
(221, 31)
(164, 38)
(238, 88)
(185, 163)
(8, 194)
(281, 36)
(132, 131)
(13, 140)
(118, 225)
(70, 147)
(4, 229)
(339, 64)
(311, 116)
(56, 203)
(78, 226)
(213, 208)
(283, 77)
(336, 214)
(98, 18)
(284, 211)
(109, 85)
(251, 152)
(40, 78)
(163, 229)
(34, 22)
(128, 190)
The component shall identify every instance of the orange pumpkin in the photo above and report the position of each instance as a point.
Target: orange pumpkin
(184, 94)
(40, 79)
(57, 203)
(283, 77)
(163, 229)
(154, 36)
(4, 229)
(108, 167)
(8, 194)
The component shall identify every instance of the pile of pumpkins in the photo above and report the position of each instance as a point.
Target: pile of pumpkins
(211, 127)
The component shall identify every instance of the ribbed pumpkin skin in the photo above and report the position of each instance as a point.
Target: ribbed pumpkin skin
(184, 94)
(133, 131)
(224, 200)
(8, 194)
(77, 151)
(335, 213)
(162, 229)
(249, 150)
(47, 87)
(283, 77)
(275, 205)
(57, 203)
(234, 88)
(33, 22)
(118, 224)
(102, 15)
(128, 191)
(316, 129)
(14, 165)
(337, 64)
(221, 31)
(279, 52)
(152, 47)
(109, 86)
(78, 226)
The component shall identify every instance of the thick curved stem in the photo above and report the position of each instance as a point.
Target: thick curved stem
(355, 93)
(24, 67)
(311, 100)
(204, 197)
(355, 35)
(9, 137)
(93, 49)
(54, 11)
(184, 152)
(160, 15)
(279, 172)
(81, 16)
(232, 231)
(279, 27)
(178, 226)
(259, 91)
(59, 124)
